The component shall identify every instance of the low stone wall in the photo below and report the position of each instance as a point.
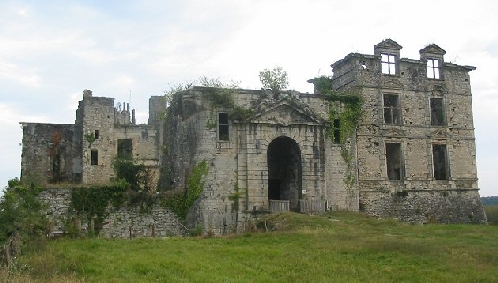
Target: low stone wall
(124, 222)
(130, 222)
(463, 206)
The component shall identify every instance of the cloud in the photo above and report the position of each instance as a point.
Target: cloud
(51, 51)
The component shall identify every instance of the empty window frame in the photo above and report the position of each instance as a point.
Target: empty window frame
(388, 62)
(394, 161)
(437, 112)
(440, 162)
(97, 134)
(392, 109)
(94, 157)
(337, 131)
(125, 149)
(433, 68)
(223, 127)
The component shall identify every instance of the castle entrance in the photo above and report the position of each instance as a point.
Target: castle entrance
(284, 172)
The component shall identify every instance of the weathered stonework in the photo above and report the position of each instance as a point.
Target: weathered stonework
(123, 222)
(417, 194)
(412, 155)
(84, 152)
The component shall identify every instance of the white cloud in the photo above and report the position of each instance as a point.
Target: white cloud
(51, 52)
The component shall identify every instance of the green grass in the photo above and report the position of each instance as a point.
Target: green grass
(336, 247)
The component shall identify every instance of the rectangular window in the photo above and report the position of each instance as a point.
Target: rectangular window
(433, 68)
(94, 157)
(125, 149)
(337, 131)
(437, 113)
(394, 161)
(223, 133)
(392, 110)
(388, 62)
(440, 162)
(97, 134)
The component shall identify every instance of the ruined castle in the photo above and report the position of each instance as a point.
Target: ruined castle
(410, 155)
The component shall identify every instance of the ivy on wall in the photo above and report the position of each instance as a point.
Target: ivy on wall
(93, 201)
(348, 108)
(181, 202)
(345, 106)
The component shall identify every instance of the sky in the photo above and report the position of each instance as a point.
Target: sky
(50, 51)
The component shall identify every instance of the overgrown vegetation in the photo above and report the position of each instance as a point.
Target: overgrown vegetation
(335, 247)
(180, 202)
(491, 214)
(347, 107)
(22, 213)
(90, 138)
(93, 202)
(134, 186)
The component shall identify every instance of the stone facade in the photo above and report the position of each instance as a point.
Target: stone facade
(84, 152)
(412, 156)
(124, 222)
(281, 152)
(415, 142)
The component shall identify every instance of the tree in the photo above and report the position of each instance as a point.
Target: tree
(22, 212)
(275, 79)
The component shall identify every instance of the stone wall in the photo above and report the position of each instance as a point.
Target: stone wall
(121, 223)
(98, 115)
(48, 151)
(417, 195)
(238, 165)
(462, 206)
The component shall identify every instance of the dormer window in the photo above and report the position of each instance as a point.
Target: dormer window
(433, 68)
(388, 62)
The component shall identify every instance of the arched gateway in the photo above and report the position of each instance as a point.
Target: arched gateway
(284, 171)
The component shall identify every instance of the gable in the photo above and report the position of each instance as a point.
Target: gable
(287, 113)
(433, 49)
(388, 44)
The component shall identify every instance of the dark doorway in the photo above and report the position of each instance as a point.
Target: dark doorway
(284, 171)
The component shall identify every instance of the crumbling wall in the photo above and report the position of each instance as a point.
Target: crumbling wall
(97, 152)
(124, 222)
(47, 153)
(418, 195)
(145, 149)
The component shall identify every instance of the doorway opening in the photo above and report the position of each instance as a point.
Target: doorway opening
(284, 171)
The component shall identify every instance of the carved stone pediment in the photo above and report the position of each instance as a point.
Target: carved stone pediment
(388, 44)
(433, 49)
(286, 112)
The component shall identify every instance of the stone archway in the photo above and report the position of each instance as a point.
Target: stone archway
(284, 171)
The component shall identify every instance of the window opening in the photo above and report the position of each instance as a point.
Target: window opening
(437, 113)
(97, 134)
(388, 62)
(440, 162)
(433, 68)
(94, 157)
(223, 133)
(125, 148)
(392, 109)
(337, 131)
(394, 161)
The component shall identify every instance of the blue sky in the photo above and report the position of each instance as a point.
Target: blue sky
(50, 51)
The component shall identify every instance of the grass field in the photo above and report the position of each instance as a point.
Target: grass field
(336, 247)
